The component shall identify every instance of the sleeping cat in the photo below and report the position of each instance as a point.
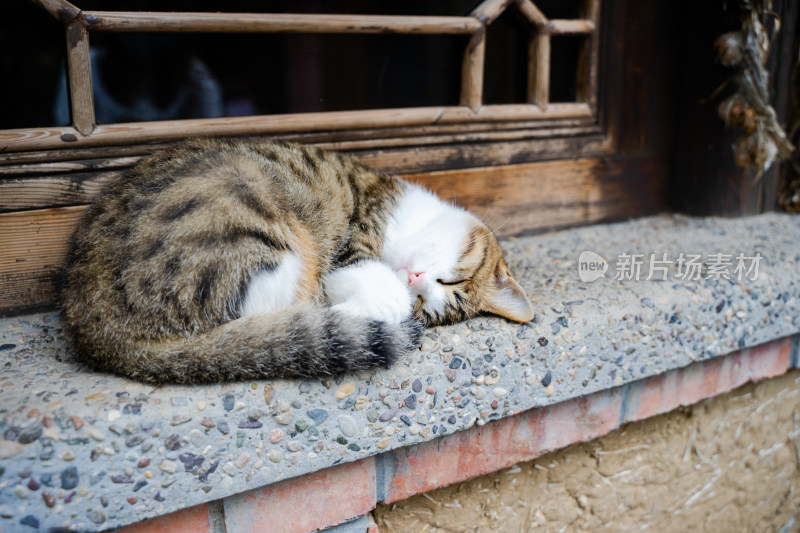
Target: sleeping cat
(222, 260)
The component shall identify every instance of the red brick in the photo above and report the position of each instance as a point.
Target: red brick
(699, 381)
(500, 444)
(192, 520)
(314, 501)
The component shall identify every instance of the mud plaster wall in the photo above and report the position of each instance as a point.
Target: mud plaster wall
(731, 463)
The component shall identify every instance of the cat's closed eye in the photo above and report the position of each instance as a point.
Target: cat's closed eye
(451, 283)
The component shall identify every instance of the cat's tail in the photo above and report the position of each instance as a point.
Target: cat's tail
(305, 341)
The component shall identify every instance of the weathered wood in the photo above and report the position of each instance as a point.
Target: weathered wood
(531, 12)
(586, 83)
(539, 70)
(127, 21)
(62, 10)
(488, 10)
(139, 132)
(32, 249)
(472, 71)
(514, 198)
(52, 191)
(79, 74)
(570, 27)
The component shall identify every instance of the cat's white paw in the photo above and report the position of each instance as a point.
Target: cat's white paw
(369, 289)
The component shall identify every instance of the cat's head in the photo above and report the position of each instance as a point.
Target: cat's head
(451, 262)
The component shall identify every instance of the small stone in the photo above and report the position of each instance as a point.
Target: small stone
(132, 500)
(139, 484)
(30, 521)
(348, 425)
(304, 387)
(96, 397)
(95, 433)
(30, 435)
(208, 423)
(228, 402)
(345, 390)
(430, 390)
(67, 455)
(250, 424)
(275, 456)
(450, 374)
(372, 415)
(411, 401)
(300, 425)
(191, 461)
(405, 420)
(499, 392)
(97, 516)
(294, 445)
(456, 363)
(547, 378)
(354, 447)
(276, 435)
(284, 418)
(20, 492)
(114, 414)
(361, 403)
(383, 443)
(317, 415)
(134, 440)
(416, 385)
(49, 499)
(168, 466)
(269, 390)
(177, 420)
(495, 404)
(388, 414)
(201, 405)
(222, 427)
(479, 393)
(172, 442)
(10, 448)
(69, 478)
(33, 484)
(647, 302)
(143, 462)
(549, 390)
(341, 440)
(542, 341)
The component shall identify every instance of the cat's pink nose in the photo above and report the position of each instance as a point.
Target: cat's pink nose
(415, 278)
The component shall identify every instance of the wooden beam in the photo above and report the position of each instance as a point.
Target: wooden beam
(472, 70)
(488, 10)
(139, 132)
(539, 70)
(531, 12)
(570, 27)
(62, 10)
(79, 74)
(127, 21)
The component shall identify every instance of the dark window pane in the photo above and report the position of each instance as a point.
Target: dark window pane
(506, 68)
(565, 51)
(32, 58)
(562, 9)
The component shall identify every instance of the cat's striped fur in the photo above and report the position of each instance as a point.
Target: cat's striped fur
(168, 258)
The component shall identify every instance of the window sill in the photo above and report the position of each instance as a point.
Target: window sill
(485, 394)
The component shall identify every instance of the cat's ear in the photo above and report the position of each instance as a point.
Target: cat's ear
(506, 298)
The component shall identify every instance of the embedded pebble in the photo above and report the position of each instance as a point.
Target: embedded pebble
(416, 385)
(275, 456)
(348, 425)
(345, 390)
(388, 414)
(499, 392)
(317, 415)
(276, 435)
(284, 418)
(9, 448)
(294, 445)
(168, 466)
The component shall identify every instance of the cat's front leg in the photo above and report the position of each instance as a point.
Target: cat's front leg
(369, 289)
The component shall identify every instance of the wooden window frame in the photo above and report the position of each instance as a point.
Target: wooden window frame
(350, 130)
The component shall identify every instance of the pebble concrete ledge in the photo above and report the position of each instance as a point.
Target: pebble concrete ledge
(86, 451)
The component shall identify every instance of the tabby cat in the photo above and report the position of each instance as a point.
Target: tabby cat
(221, 260)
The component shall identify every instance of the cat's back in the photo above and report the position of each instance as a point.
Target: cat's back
(169, 246)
